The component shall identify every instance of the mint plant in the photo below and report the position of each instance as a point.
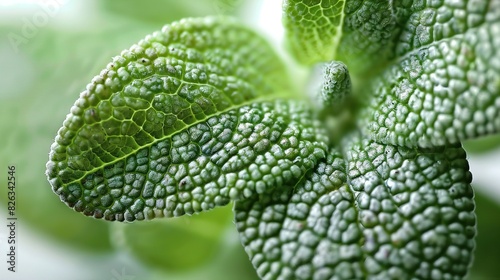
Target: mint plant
(202, 114)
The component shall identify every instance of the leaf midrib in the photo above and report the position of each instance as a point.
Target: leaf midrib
(233, 107)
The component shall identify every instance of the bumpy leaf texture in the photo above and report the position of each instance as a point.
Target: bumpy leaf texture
(433, 67)
(396, 213)
(186, 120)
(191, 118)
(357, 32)
(336, 86)
(445, 87)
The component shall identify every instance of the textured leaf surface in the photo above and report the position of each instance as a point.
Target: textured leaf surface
(368, 34)
(433, 66)
(336, 85)
(166, 128)
(396, 214)
(360, 33)
(444, 85)
(314, 28)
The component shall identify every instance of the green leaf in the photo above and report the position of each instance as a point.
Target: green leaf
(359, 33)
(443, 86)
(369, 30)
(229, 263)
(336, 86)
(176, 245)
(396, 213)
(184, 121)
(482, 145)
(486, 260)
(314, 28)
(430, 68)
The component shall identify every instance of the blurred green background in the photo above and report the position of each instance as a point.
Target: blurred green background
(49, 51)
